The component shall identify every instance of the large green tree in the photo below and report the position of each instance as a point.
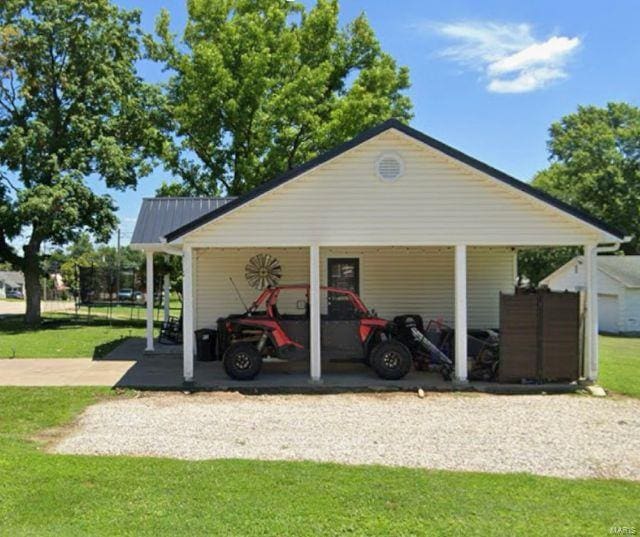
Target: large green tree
(260, 86)
(71, 107)
(595, 166)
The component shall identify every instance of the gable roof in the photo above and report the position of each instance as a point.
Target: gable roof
(364, 137)
(159, 216)
(625, 269)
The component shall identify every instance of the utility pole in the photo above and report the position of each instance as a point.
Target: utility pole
(44, 279)
(118, 266)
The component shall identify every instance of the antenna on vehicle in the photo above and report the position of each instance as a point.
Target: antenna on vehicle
(238, 293)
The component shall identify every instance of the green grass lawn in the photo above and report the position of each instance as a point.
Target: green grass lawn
(620, 364)
(45, 494)
(65, 336)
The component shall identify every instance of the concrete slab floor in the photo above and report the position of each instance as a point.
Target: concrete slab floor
(61, 372)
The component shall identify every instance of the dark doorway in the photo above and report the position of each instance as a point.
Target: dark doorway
(345, 274)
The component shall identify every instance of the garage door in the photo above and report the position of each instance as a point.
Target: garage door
(608, 313)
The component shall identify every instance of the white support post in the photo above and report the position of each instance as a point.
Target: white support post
(314, 306)
(149, 299)
(591, 314)
(187, 315)
(166, 293)
(461, 314)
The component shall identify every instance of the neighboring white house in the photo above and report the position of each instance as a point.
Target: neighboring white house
(420, 226)
(10, 280)
(618, 289)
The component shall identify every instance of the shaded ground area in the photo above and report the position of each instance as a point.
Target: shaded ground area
(163, 371)
(563, 436)
(127, 365)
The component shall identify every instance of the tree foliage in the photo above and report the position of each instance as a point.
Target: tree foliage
(260, 86)
(534, 264)
(71, 106)
(595, 166)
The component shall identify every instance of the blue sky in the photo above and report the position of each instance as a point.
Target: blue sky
(487, 77)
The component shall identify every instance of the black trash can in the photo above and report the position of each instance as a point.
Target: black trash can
(205, 345)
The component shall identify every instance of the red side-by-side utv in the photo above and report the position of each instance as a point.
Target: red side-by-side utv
(349, 332)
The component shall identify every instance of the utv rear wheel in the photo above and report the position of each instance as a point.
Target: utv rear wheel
(391, 360)
(242, 361)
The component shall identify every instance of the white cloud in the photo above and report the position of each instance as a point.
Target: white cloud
(528, 80)
(512, 60)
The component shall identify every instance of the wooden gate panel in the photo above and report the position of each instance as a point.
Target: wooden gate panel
(560, 313)
(518, 337)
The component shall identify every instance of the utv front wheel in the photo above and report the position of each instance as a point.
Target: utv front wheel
(391, 360)
(242, 361)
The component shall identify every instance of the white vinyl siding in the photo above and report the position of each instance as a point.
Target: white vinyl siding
(437, 201)
(632, 310)
(608, 313)
(393, 280)
(490, 271)
(215, 295)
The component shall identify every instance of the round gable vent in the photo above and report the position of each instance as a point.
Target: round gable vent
(389, 167)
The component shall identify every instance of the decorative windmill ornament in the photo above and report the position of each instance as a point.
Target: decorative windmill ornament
(263, 270)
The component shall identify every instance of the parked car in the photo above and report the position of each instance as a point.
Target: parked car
(125, 294)
(15, 293)
(129, 295)
(350, 332)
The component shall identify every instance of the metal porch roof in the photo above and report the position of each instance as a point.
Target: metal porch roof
(159, 216)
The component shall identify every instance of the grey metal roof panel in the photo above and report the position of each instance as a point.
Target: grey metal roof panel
(159, 216)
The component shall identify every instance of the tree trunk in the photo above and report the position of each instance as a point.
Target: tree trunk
(32, 288)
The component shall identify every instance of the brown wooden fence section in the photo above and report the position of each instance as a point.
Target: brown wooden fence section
(539, 337)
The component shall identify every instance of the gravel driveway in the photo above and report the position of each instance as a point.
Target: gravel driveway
(567, 436)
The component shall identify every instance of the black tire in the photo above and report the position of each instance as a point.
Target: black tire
(391, 360)
(242, 361)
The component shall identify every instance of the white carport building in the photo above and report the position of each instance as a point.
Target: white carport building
(418, 227)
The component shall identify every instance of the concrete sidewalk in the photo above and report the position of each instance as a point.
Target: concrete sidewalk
(62, 372)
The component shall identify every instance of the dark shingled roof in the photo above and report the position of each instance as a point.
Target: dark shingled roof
(367, 135)
(624, 268)
(159, 216)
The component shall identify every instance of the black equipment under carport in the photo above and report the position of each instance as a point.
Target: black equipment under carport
(206, 344)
